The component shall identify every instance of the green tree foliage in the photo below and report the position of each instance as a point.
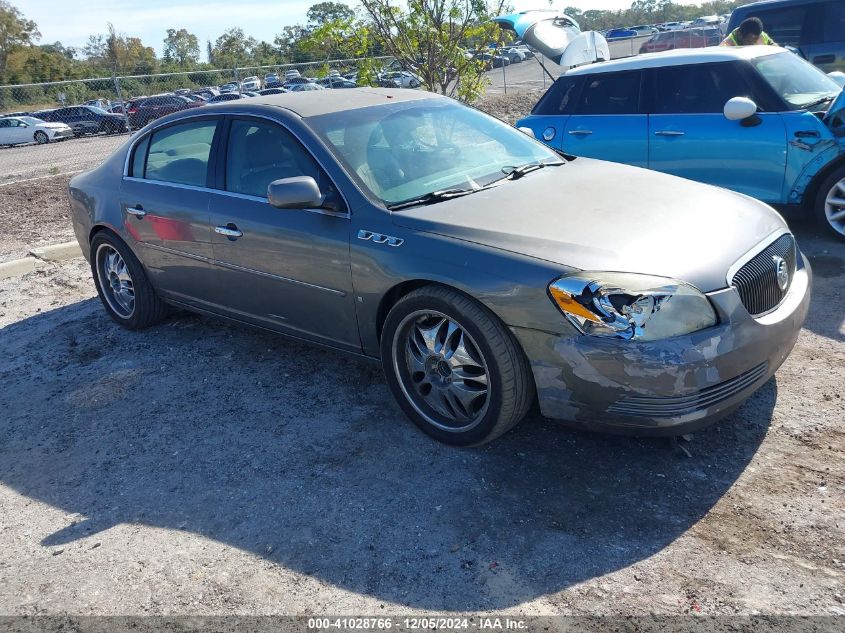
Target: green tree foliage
(324, 12)
(233, 49)
(181, 48)
(429, 37)
(649, 12)
(15, 32)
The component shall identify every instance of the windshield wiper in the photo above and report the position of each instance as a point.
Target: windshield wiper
(515, 173)
(431, 197)
(813, 104)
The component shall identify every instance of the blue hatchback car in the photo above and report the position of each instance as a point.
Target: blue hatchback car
(758, 120)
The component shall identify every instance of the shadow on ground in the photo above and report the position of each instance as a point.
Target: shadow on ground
(299, 456)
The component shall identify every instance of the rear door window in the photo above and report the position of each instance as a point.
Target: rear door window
(785, 25)
(610, 93)
(180, 153)
(697, 88)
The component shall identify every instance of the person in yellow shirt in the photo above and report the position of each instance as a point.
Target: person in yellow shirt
(748, 33)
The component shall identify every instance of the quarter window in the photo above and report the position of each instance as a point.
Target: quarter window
(559, 99)
(259, 153)
(834, 21)
(697, 89)
(179, 153)
(610, 93)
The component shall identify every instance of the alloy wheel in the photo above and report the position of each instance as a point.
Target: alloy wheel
(115, 281)
(441, 370)
(834, 207)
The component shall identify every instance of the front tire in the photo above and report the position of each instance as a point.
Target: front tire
(41, 137)
(122, 284)
(454, 368)
(829, 207)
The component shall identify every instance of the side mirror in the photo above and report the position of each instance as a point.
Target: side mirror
(739, 109)
(299, 192)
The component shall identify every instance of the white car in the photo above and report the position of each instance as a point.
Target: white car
(251, 83)
(405, 79)
(26, 129)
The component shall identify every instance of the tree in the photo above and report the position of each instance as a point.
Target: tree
(128, 55)
(233, 49)
(288, 43)
(324, 12)
(181, 48)
(429, 36)
(15, 31)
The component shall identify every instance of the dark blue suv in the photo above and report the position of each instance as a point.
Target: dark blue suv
(815, 27)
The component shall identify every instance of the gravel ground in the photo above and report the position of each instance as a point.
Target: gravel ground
(201, 468)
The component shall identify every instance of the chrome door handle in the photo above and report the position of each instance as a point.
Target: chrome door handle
(668, 133)
(580, 132)
(230, 231)
(137, 211)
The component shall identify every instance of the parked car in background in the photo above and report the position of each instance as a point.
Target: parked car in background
(514, 55)
(645, 29)
(251, 84)
(336, 82)
(86, 120)
(27, 129)
(249, 93)
(670, 26)
(404, 79)
(756, 119)
(620, 33)
(816, 28)
(226, 96)
(152, 108)
(273, 91)
(688, 38)
(491, 61)
(294, 80)
(707, 20)
(104, 104)
(229, 87)
(305, 87)
(207, 92)
(272, 80)
(484, 270)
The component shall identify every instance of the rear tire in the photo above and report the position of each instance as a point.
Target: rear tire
(454, 368)
(829, 205)
(122, 284)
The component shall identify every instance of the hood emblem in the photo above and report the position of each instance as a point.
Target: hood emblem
(782, 272)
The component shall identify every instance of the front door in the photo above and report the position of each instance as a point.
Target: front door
(286, 269)
(607, 122)
(165, 206)
(690, 137)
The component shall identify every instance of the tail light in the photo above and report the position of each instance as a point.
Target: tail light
(131, 110)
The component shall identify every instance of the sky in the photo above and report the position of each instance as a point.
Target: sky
(72, 21)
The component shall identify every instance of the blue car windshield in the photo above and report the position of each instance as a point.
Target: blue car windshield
(404, 150)
(797, 81)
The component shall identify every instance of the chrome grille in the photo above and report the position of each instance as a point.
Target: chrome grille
(673, 406)
(757, 283)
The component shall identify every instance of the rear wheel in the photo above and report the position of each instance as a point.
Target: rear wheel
(41, 137)
(454, 368)
(124, 289)
(830, 204)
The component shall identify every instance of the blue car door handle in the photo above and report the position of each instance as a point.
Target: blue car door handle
(668, 133)
(580, 131)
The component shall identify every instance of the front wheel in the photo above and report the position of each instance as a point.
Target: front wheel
(41, 137)
(830, 204)
(453, 367)
(124, 289)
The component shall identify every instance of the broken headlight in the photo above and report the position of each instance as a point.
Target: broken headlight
(631, 306)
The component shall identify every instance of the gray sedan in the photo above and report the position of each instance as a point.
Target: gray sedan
(483, 269)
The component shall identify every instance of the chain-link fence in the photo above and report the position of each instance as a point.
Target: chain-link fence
(665, 41)
(67, 126)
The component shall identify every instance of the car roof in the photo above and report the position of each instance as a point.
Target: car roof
(317, 102)
(678, 57)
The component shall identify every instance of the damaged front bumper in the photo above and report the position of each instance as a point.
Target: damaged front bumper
(671, 386)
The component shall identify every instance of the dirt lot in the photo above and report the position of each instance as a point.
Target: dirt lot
(200, 468)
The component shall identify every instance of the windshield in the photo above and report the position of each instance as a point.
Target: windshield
(96, 109)
(401, 151)
(797, 81)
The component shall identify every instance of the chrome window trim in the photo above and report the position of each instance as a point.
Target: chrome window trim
(232, 194)
(134, 142)
(755, 250)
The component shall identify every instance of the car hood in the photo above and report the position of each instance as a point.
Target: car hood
(595, 215)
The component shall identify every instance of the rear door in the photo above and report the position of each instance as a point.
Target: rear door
(827, 48)
(286, 269)
(165, 204)
(690, 137)
(607, 121)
